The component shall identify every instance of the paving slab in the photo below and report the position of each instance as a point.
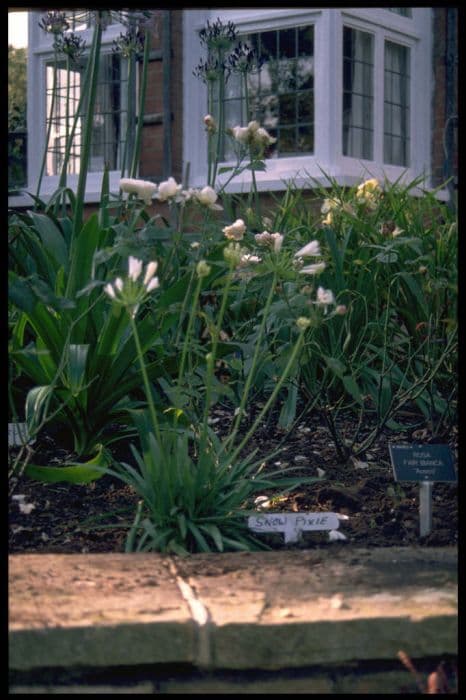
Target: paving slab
(269, 610)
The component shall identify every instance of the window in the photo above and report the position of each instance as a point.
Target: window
(358, 93)
(345, 91)
(396, 104)
(110, 117)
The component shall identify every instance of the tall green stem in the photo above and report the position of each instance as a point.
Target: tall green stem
(147, 388)
(272, 396)
(187, 337)
(49, 127)
(142, 101)
(257, 350)
(212, 355)
(85, 152)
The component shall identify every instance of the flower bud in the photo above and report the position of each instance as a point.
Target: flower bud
(202, 268)
(302, 322)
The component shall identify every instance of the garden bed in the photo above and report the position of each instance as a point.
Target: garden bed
(70, 518)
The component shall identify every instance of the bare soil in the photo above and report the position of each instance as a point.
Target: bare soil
(381, 512)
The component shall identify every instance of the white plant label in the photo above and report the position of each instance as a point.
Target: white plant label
(18, 435)
(292, 524)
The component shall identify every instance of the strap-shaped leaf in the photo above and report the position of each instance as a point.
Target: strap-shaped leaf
(73, 473)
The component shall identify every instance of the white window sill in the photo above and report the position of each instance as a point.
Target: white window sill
(25, 201)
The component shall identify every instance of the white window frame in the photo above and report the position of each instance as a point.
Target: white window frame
(414, 33)
(40, 51)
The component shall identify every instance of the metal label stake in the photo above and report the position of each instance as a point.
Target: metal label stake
(425, 507)
(425, 464)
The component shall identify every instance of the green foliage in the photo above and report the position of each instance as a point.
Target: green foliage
(17, 88)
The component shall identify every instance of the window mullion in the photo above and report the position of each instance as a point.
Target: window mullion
(327, 102)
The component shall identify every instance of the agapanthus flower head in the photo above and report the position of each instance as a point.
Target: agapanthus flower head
(235, 231)
(131, 292)
(129, 42)
(72, 45)
(144, 189)
(217, 35)
(54, 22)
(244, 59)
(272, 240)
(233, 254)
(210, 70)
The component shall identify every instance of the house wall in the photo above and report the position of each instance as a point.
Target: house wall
(444, 101)
(153, 163)
(445, 94)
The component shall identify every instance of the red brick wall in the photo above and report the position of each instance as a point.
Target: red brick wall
(152, 161)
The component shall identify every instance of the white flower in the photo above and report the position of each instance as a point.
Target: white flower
(235, 231)
(151, 269)
(335, 535)
(313, 269)
(253, 133)
(240, 133)
(207, 196)
(341, 310)
(248, 259)
(277, 241)
(152, 284)
(168, 189)
(263, 138)
(144, 189)
(253, 127)
(134, 268)
(131, 292)
(210, 123)
(273, 240)
(310, 249)
(328, 205)
(324, 297)
(397, 232)
(108, 289)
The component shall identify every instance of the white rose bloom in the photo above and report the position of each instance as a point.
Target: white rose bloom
(207, 195)
(240, 133)
(144, 189)
(235, 231)
(167, 189)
